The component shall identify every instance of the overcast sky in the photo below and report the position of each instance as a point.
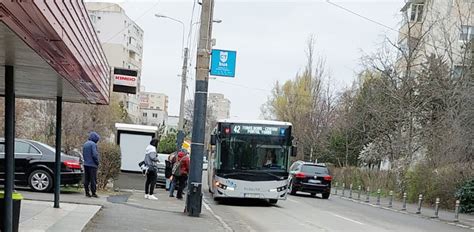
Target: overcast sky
(269, 37)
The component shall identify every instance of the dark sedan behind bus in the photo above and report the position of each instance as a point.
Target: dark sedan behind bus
(310, 178)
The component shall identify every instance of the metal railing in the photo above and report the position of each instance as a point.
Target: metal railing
(389, 202)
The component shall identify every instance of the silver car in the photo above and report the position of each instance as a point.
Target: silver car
(161, 179)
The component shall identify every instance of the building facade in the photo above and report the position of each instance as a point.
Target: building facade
(440, 28)
(220, 105)
(150, 100)
(153, 117)
(172, 125)
(122, 42)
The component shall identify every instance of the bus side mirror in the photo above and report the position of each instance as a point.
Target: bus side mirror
(294, 151)
(213, 140)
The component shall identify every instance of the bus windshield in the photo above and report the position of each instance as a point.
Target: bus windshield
(251, 152)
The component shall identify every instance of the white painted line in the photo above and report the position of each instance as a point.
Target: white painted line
(347, 219)
(292, 200)
(218, 218)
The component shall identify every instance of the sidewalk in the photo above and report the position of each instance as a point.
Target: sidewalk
(130, 211)
(126, 210)
(36, 216)
(465, 220)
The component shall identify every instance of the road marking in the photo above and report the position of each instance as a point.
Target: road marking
(292, 200)
(223, 223)
(347, 219)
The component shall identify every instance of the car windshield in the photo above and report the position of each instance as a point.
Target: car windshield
(254, 153)
(314, 169)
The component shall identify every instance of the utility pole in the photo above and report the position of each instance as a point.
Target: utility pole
(180, 136)
(194, 193)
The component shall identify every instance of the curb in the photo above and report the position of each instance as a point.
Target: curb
(67, 202)
(461, 225)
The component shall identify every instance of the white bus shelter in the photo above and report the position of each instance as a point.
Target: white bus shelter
(133, 140)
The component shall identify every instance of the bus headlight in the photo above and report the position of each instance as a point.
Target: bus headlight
(224, 187)
(279, 189)
(220, 185)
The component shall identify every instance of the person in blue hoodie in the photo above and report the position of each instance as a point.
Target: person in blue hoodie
(91, 163)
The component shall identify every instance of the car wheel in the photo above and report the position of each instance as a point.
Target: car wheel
(40, 181)
(313, 194)
(326, 195)
(273, 201)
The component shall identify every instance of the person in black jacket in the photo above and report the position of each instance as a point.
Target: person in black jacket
(91, 164)
(168, 170)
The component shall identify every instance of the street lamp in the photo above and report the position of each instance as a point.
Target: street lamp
(176, 20)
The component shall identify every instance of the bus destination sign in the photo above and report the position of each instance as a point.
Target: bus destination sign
(258, 130)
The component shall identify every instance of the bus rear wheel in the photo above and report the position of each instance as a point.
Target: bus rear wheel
(273, 201)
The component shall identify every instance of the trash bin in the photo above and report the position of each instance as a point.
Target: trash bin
(17, 197)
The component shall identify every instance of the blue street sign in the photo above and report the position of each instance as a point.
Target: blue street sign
(223, 63)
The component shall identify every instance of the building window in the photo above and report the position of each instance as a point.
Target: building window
(145, 114)
(467, 33)
(155, 115)
(416, 14)
(99, 18)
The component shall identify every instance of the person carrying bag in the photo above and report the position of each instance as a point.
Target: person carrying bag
(180, 172)
(150, 161)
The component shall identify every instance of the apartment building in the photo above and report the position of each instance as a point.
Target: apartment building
(122, 42)
(220, 105)
(443, 28)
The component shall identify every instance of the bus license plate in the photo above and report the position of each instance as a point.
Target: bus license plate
(314, 181)
(252, 195)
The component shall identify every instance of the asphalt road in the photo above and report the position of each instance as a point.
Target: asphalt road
(297, 213)
(306, 213)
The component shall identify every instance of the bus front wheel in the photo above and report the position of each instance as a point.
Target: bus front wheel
(292, 189)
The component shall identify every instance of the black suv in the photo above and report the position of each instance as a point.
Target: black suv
(311, 178)
(34, 165)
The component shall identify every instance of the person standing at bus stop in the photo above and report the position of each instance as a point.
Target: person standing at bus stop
(169, 170)
(91, 163)
(151, 159)
(180, 172)
(172, 160)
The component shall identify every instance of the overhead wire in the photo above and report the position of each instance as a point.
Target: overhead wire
(192, 39)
